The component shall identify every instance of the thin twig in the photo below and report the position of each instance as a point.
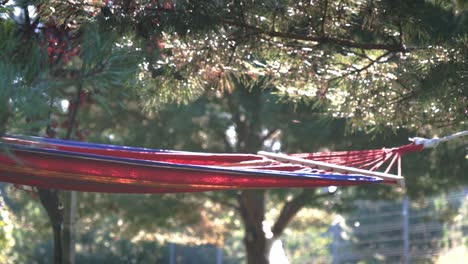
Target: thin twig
(359, 70)
(268, 135)
(74, 112)
(324, 17)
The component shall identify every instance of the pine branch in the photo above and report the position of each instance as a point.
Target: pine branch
(359, 70)
(355, 71)
(319, 39)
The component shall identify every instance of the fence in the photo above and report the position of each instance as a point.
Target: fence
(402, 232)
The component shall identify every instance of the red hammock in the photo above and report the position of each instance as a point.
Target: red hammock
(79, 166)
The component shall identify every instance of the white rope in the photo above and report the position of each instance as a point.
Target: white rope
(336, 168)
(433, 142)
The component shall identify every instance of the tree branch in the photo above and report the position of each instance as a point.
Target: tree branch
(320, 39)
(324, 17)
(359, 70)
(400, 31)
(27, 18)
(355, 71)
(269, 134)
(292, 207)
(74, 112)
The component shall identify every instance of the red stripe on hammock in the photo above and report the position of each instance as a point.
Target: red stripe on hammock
(106, 176)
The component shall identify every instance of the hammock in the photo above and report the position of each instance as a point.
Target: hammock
(80, 166)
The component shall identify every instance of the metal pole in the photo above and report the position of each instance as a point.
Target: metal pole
(219, 255)
(405, 216)
(172, 253)
(336, 228)
(70, 201)
(69, 230)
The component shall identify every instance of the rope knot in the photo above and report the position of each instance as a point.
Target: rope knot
(427, 143)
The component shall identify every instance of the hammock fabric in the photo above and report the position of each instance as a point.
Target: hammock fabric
(79, 166)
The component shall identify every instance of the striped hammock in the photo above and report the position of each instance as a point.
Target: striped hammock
(79, 166)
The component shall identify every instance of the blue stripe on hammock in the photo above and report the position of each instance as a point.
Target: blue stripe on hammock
(87, 144)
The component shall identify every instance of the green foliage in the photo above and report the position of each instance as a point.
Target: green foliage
(370, 61)
(155, 212)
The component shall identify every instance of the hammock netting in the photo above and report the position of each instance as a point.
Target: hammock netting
(80, 166)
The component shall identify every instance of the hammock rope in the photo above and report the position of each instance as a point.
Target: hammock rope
(432, 143)
(332, 167)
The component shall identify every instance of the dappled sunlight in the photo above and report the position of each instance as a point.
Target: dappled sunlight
(277, 254)
(458, 255)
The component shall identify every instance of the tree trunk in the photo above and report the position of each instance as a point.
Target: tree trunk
(51, 203)
(57, 230)
(249, 140)
(252, 208)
